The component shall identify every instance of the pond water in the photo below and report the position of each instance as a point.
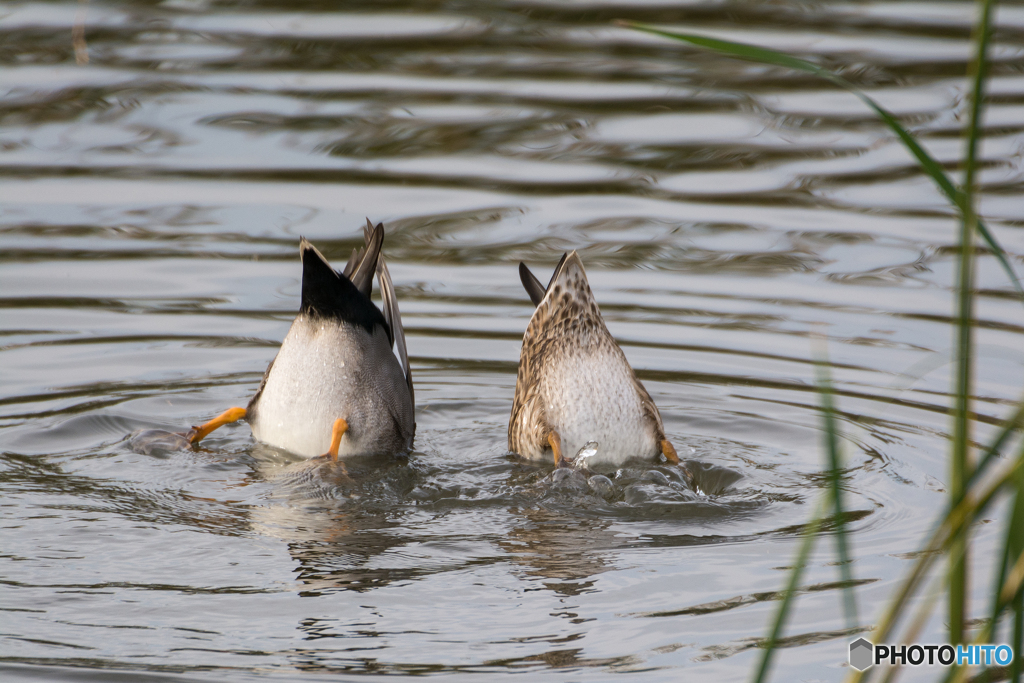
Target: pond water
(731, 217)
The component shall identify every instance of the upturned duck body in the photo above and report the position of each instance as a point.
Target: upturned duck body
(335, 387)
(574, 383)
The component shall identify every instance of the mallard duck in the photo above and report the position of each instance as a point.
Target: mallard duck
(575, 384)
(335, 387)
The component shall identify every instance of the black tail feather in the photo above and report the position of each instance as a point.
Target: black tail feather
(329, 294)
(531, 284)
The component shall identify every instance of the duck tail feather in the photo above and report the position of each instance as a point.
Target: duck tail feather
(366, 265)
(558, 268)
(531, 284)
(330, 294)
(394, 320)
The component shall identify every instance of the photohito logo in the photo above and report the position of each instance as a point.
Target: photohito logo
(864, 654)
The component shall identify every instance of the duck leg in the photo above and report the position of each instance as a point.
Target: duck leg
(673, 459)
(197, 434)
(338, 431)
(555, 441)
(669, 451)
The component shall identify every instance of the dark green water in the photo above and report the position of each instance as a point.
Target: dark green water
(151, 203)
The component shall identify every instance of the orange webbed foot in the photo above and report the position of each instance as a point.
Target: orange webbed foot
(669, 451)
(338, 431)
(670, 454)
(197, 434)
(555, 441)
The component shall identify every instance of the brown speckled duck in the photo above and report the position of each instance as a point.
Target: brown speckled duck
(336, 387)
(575, 384)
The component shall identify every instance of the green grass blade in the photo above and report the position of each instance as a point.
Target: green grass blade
(1009, 584)
(1017, 667)
(1015, 545)
(831, 434)
(806, 545)
(953, 522)
(1010, 556)
(766, 56)
(960, 456)
(930, 598)
(978, 71)
(991, 453)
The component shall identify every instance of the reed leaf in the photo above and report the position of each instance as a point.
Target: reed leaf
(766, 56)
(931, 597)
(831, 438)
(1010, 576)
(1009, 584)
(973, 504)
(990, 454)
(960, 461)
(1015, 546)
(806, 546)
(832, 499)
(971, 488)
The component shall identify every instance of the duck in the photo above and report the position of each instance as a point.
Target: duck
(336, 387)
(574, 385)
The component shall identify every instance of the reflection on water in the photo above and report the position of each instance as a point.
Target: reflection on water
(338, 518)
(566, 554)
(149, 220)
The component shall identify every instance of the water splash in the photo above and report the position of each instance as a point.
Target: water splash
(589, 450)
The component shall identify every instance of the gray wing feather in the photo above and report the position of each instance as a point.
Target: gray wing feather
(391, 312)
(353, 261)
(366, 261)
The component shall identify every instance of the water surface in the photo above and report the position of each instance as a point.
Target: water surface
(729, 215)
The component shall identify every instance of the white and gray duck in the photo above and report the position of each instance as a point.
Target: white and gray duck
(335, 388)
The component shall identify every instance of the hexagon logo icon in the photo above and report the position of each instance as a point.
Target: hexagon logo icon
(861, 654)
